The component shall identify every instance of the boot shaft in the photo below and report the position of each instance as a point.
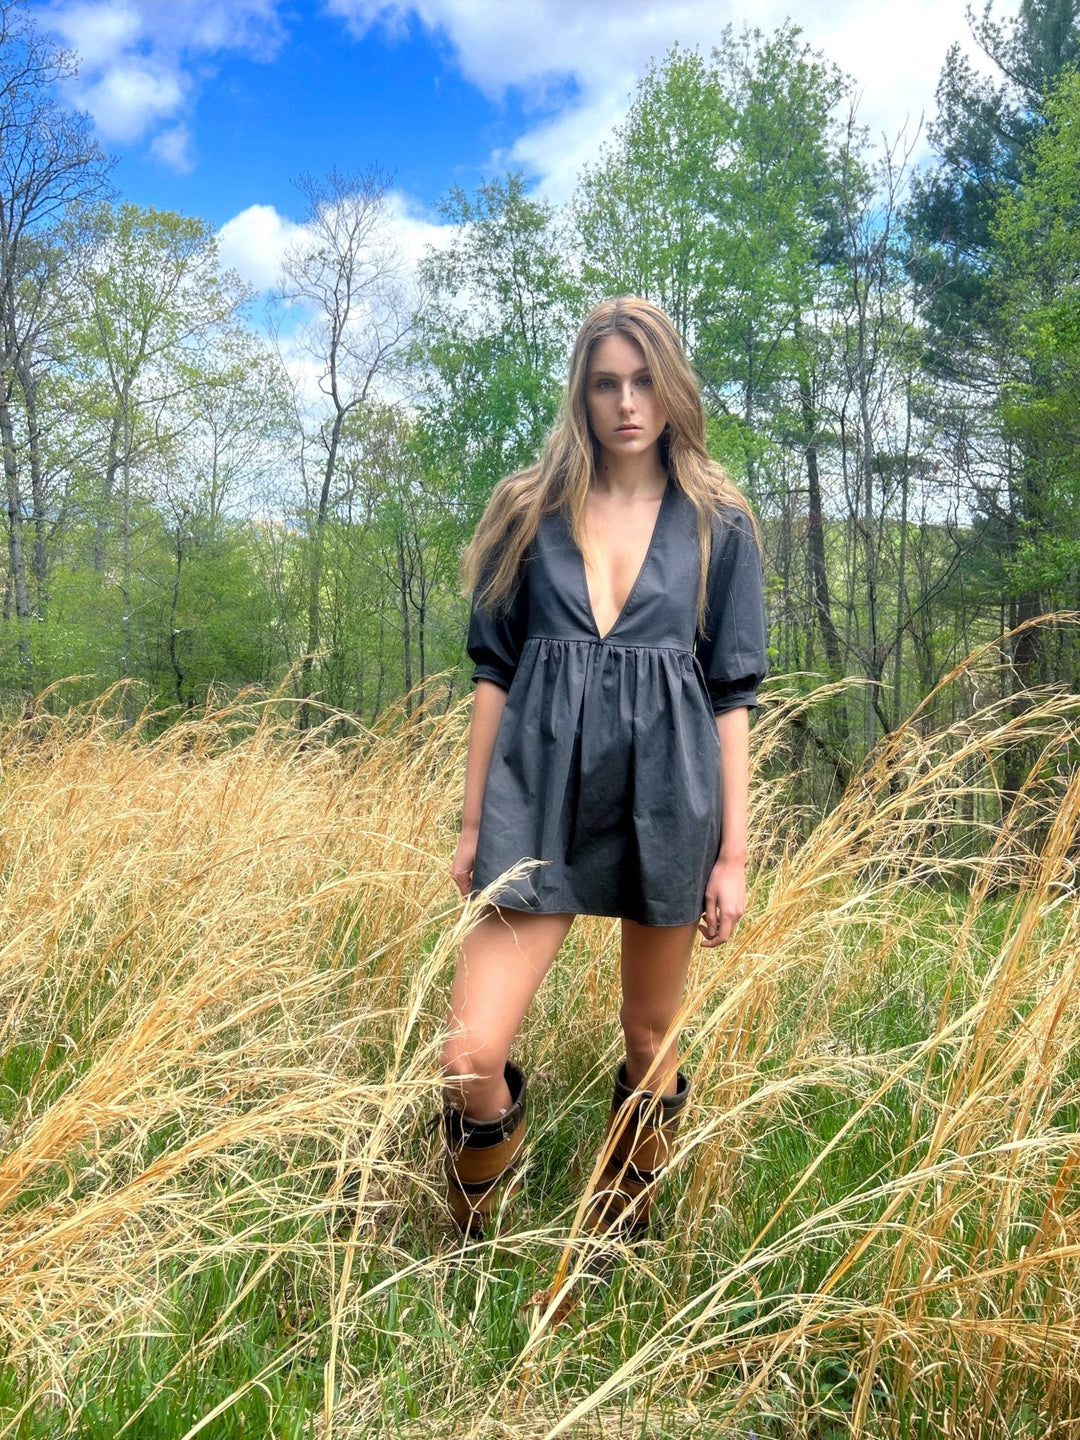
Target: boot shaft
(640, 1138)
(481, 1154)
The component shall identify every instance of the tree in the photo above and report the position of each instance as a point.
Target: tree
(500, 311)
(155, 303)
(875, 402)
(47, 163)
(645, 212)
(348, 278)
(983, 134)
(982, 130)
(713, 200)
(415, 541)
(230, 432)
(1036, 285)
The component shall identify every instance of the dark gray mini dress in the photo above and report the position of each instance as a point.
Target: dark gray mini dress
(606, 768)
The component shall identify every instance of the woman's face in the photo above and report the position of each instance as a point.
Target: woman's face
(623, 410)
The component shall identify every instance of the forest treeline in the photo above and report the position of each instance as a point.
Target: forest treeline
(890, 355)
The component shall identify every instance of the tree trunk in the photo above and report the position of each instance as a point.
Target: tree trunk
(174, 611)
(16, 550)
(114, 459)
(815, 533)
(125, 583)
(421, 621)
(307, 713)
(874, 668)
(901, 597)
(29, 386)
(16, 519)
(406, 628)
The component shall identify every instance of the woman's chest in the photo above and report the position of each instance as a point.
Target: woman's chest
(648, 589)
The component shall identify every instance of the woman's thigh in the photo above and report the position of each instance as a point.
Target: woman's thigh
(655, 959)
(502, 964)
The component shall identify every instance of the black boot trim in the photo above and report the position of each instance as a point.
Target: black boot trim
(461, 1129)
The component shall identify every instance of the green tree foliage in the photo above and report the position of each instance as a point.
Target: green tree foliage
(346, 278)
(646, 211)
(983, 127)
(986, 133)
(714, 199)
(1036, 283)
(153, 309)
(47, 163)
(500, 308)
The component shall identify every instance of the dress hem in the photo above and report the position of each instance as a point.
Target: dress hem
(595, 915)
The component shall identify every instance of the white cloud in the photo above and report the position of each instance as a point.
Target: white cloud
(558, 150)
(894, 52)
(129, 98)
(893, 49)
(253, 242)
(98, 32)
(533, 44)
(174, 148)
(138, 59)
(411, 232)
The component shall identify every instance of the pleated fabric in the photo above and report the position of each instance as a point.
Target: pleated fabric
(606, 768)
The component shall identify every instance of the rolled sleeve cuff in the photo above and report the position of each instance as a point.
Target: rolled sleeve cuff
(495, 675)
(733, 694)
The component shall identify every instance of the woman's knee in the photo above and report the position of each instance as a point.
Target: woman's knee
(472, 1067)
(644, 1032)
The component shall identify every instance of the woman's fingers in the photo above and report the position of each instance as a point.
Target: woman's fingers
(710, 924)
(718, 923)
(461, 866)
(462, 879)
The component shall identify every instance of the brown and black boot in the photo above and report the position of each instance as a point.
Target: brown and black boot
(481, 1155)
(640, 1137)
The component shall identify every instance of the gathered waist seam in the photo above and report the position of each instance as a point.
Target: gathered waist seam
(610, 644)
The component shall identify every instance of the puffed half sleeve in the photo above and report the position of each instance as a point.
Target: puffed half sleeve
(732, 652)
(496, 637)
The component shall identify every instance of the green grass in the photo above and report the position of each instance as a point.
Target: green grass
(183, 1363)
(225, 1042)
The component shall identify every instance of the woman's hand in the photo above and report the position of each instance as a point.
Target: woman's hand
(725, 901)
(461, 867)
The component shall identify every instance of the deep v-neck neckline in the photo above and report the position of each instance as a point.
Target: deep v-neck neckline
(637, 578)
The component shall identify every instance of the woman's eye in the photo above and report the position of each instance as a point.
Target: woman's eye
(644, 380)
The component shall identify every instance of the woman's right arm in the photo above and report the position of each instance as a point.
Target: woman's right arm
(488, 702)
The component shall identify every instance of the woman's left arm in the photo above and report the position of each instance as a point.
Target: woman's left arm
(725, 893)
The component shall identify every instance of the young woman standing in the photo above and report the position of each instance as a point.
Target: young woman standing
(618, 637)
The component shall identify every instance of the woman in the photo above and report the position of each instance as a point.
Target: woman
(618, 637)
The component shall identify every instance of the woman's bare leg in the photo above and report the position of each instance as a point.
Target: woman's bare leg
(502, 964)
(655, 959)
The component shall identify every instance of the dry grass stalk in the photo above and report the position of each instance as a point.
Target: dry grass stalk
(222, 960)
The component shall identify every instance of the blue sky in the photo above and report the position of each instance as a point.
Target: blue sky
(322, 98)
(213, 107)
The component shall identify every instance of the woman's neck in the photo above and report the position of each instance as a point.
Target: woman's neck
(631, 477)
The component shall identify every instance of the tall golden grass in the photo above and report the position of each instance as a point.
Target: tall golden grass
(224, 955)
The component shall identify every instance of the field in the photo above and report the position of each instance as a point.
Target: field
(225, 949)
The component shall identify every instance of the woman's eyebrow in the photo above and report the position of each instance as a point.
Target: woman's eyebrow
(641, 370)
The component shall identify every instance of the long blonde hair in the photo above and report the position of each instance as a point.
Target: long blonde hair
(560, 480)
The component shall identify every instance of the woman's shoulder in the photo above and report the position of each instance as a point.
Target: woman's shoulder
(730, 517)
(730, 514)
(735, 537)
